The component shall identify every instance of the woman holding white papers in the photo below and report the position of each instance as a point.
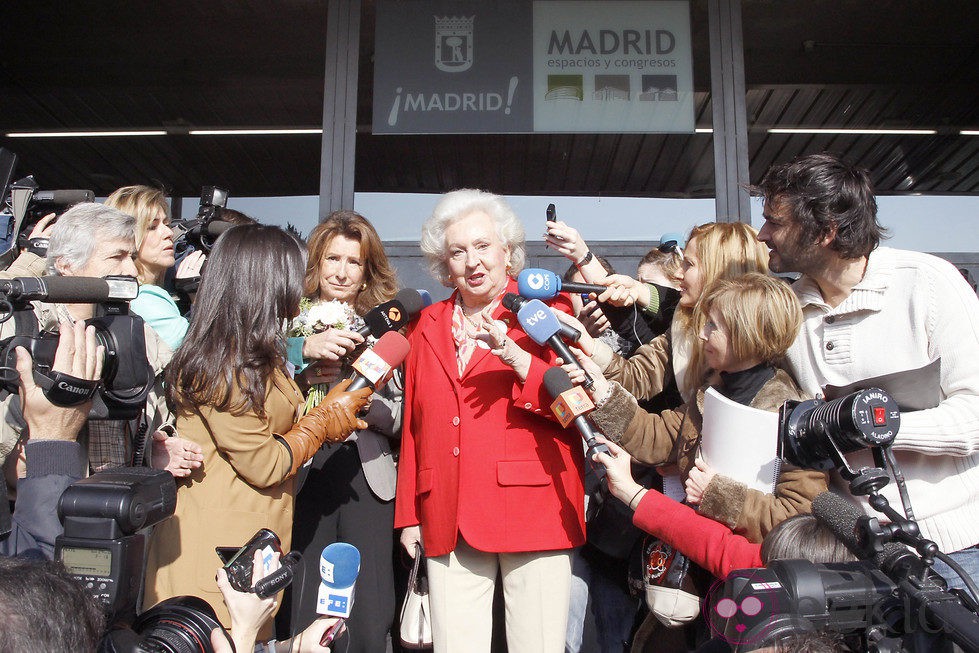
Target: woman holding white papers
(745, 325)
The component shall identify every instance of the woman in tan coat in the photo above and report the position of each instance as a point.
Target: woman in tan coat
(233, 396)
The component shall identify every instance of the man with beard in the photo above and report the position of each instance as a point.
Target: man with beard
(870, 311)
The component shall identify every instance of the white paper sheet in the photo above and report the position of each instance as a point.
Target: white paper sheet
(740, 442)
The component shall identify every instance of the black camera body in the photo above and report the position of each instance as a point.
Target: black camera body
(201, 231)
(104, 548)
(874, 609)
(101, 545)
(238, 562)
(23, 204)
(127, 376)
(889, 600)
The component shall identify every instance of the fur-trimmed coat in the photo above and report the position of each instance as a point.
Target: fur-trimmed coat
(672, 438)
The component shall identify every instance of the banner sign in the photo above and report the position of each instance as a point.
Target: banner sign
(444, 67)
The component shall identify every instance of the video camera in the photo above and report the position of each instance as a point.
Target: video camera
(23, 204)
(127, 376)
(201, 231)
(890, 600)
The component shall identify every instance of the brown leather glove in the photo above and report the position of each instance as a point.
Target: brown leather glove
(353, 401)
(331, 421)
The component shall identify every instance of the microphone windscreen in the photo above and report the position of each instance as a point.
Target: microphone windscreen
(841, 517)
(339, 567)
(392, 347)
(389, 316)
(339, 564)
(412, 301)
(64, 197)
(537, 321)
(538, 283)
(76, 290)
(556, 381)
(217, 227)
(513, 302)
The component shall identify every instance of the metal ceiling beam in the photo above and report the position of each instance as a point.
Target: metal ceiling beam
(731, 175)
(338, 153)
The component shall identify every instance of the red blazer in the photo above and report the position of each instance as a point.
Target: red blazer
(481, 455)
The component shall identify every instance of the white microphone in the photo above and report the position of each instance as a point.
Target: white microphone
(339, 566)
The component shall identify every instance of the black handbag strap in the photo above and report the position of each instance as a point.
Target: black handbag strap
(413, 581)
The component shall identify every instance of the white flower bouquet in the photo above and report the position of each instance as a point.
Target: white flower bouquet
(316, 317)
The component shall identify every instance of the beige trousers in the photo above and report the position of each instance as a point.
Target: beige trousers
(536, 591)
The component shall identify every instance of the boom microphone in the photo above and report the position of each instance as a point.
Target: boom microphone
(538, 283)
(514, 302)
(392, 314)
(217, 227)
(846, 522)
(64, 197)
(373, 365)
(70, 290)
(339, 566)
(537, 320)
(571, 404)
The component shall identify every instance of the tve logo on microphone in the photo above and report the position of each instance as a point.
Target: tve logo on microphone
(535, 317)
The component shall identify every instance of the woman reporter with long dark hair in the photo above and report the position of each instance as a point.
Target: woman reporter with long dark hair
(229, 386)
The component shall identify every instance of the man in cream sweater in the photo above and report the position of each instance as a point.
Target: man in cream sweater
(870, 311)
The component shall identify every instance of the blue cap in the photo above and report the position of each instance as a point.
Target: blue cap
(678, 238)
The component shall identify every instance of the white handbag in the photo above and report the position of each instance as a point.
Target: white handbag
(416, 616)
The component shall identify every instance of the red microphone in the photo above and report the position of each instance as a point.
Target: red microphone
(373, 366)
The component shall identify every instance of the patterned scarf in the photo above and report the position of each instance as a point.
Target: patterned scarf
(464, 331)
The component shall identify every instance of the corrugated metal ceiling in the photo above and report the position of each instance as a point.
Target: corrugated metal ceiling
(841, 63)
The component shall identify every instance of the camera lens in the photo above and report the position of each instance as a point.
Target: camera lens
(182, 624)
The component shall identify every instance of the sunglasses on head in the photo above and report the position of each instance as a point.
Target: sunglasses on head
(670, 247)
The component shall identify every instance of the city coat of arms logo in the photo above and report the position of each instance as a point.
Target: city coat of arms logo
(454, 43)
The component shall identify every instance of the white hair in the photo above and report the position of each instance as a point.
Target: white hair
(76, 232)
(458, 204)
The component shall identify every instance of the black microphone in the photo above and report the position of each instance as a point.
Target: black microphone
(280, 578)
(845, 520)
(571, 407)
(372, 366)
(842, 518)
(393, 314)
(64, 197)
(217, 227)
(514, 302)
(70, 290)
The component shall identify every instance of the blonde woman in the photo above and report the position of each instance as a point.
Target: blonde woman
(154, 256)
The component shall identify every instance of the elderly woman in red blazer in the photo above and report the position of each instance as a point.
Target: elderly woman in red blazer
(487, 480)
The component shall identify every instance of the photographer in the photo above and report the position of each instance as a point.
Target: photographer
(30, 262)
(870, 311)
(91, 240)
(52, 454)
